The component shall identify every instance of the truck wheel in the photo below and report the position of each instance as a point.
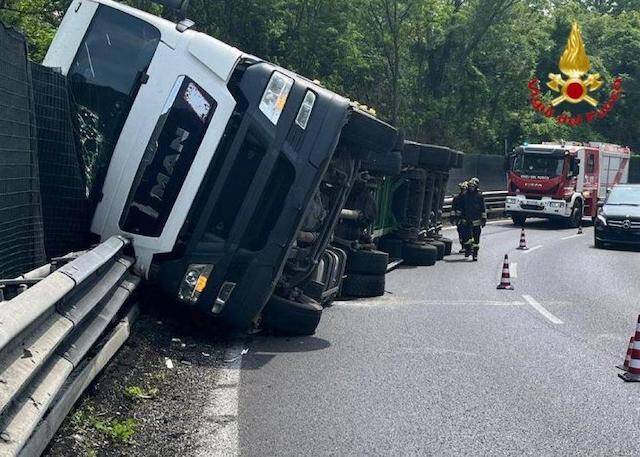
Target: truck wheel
(518, 220)
(419, 254)
(576, 216)
(439, 245)
(391, 246)
(367, 262)
(389, 164)
(359, 285)
(291, 317)
(448, 245)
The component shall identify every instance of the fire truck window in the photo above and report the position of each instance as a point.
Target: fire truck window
(591, 163)
(168, 157)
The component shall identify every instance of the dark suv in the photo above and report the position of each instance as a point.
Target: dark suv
(618, 220)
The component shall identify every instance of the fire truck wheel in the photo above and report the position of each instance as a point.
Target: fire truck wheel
(419, 254)
(289, 317)
(518, 220)
(367, 262)
(391, 246)
(358, 285)
(439, 245)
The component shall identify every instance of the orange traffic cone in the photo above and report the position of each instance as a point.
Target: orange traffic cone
(633, 372)
(505, 280)
(627, 358)
(523, 242)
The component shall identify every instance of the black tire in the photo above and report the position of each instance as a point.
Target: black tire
(576, 216)
(389, 164)
(439, 246)
(290, 317)
(358, 285)
(518, 220)
(364, 133)
(391, 246)
(419, 254)
(448, 245)
(596, 242)
(367, 262)
(437, 157)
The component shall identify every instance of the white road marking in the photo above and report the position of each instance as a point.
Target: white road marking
(541, 309)
(532, 249)
(513, 270)
(572, 236)
(218, 434)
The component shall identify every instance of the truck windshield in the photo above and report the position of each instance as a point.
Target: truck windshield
(624, 196)
(103, 81)
(542, 166)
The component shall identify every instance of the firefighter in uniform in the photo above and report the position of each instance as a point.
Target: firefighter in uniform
(456, 215)
(475, 214)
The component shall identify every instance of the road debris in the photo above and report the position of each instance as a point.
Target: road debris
(168, 362)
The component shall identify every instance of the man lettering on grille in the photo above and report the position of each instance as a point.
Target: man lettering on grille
(456, 216)
(475, 213)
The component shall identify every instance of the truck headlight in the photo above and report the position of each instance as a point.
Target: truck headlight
(511, 200)
(194, 282)
(275, 96)
(601, 219)
(556, 204)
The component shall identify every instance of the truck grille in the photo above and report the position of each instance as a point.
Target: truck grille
(531, 207)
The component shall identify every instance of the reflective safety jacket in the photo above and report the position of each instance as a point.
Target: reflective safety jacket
(473, 207)
(456, 206)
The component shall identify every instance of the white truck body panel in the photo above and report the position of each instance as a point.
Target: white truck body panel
(205, 60)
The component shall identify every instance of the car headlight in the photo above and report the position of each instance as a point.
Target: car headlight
(194, 282)
(275, 96)
(601, 219)
(511, 200)
(556, 204)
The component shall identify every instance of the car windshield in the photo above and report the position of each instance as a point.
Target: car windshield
(103, 81)
(624, 196)
(531, 165)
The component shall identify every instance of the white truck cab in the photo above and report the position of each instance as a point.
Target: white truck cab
(130, 73)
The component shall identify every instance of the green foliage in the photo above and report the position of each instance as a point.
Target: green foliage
(446, 71)
(120, 430)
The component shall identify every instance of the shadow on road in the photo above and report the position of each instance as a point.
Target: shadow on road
(266, 348)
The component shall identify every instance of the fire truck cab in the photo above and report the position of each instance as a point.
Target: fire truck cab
(562, 180)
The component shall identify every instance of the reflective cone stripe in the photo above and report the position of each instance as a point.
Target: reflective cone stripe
(627, 358)
(505, 280)
(523, 241)
(634, 361)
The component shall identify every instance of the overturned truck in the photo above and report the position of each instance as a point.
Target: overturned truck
(227, 173)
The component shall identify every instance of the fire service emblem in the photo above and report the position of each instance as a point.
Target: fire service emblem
(575, 85)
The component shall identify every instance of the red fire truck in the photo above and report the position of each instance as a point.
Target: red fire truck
(562, 180)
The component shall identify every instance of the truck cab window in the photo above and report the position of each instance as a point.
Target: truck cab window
(103, 82)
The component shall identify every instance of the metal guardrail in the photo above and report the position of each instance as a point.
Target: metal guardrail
(46, 332)
(494, 200)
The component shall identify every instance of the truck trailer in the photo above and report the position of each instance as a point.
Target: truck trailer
(563, 180)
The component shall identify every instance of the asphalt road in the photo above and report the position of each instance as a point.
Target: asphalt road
(445, 364)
